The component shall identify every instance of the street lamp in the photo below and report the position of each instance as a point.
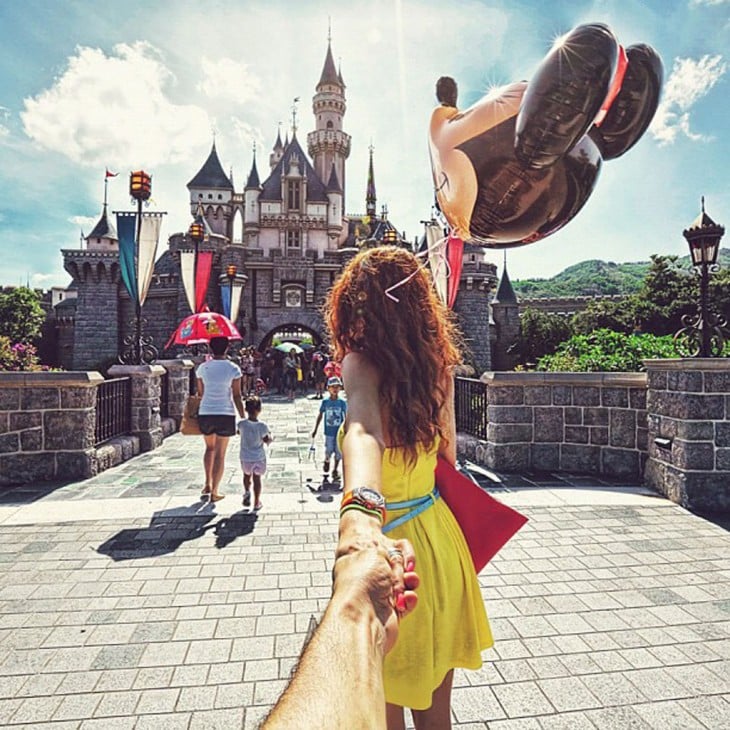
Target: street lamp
(138, 238)
(196, 232)
(704, 330)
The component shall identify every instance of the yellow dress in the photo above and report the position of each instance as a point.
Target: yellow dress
(449, 626)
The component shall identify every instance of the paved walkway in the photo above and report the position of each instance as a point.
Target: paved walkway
(125, 602)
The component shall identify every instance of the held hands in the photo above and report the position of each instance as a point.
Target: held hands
(373, 570)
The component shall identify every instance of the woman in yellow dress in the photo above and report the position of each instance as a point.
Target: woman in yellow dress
(398, 347)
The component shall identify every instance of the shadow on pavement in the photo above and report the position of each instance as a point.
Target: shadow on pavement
(168, 529)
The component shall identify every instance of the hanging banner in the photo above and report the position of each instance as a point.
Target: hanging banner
(149, 235)
(202, 277)
(455, 257)
(235, 303)
(226, 300)
(187, 273)
(127, 232)
(436, 247)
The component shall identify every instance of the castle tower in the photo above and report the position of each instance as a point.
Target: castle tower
(506, 316)
(328, 144)
(335, 210)
(95, 272)
(370, 196)
(212, 189)
(277, 152)
(251, 198)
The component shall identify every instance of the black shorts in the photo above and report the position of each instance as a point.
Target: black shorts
(219, 425)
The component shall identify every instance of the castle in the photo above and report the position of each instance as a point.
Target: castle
(288, 236)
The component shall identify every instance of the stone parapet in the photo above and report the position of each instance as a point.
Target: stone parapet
(47, 426)
(688, 431)
(146, 388)
(574, 422)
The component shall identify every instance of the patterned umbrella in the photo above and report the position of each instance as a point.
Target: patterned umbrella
(202, 327)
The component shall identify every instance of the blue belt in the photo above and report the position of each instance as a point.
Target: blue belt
(416, 506)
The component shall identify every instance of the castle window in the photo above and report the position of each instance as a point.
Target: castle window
(293, 240)
(220, 197)
(329, 124)
(293, 195)
(210, 196)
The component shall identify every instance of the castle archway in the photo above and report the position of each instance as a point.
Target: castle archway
(237, 229)
(294, 332)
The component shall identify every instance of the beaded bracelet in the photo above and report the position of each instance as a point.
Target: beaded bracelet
(362, 508)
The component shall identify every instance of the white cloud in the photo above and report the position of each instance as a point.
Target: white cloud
(84, 222)
(709, 2)
(115, 110)
(689, 82)
(228, 80)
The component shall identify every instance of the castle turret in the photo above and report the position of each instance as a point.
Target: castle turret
(334, 211)
(103, 236)
(506, 316)
(277, 152)
(328, 144)
(370, 196)
(212, 189)
(251, 197)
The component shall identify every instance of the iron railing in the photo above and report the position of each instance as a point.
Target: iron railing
(113, 409)
(165, 395)
(470, 402)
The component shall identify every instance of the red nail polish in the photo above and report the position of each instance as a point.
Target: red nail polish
(410, 565)
(400, 603)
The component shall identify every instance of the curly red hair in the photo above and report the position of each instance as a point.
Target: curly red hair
(412, 342)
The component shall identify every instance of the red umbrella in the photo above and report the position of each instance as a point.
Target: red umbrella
(202, 327)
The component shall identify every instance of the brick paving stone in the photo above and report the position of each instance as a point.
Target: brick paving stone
(471, 704)
(566, 721)
(712, 712)
(568, 693)
(617, 718)
(521, 699)
(667, 716)
(167, 721)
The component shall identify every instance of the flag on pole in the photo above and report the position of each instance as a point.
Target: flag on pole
(110, 174)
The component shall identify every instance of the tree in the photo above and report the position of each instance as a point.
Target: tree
(608, 351)
(540, 334)
(21, 315)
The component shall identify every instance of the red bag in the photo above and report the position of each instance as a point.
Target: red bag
(487, 524)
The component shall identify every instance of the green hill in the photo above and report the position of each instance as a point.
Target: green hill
(595, 277)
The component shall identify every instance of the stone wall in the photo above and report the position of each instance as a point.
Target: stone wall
(575, 422)
(689, 431)
(48, 421)
(47, 426)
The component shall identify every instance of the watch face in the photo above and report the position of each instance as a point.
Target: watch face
(370, 497)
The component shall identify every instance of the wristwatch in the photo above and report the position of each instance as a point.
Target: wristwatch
(369, 499)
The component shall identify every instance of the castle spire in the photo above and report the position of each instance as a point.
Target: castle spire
(505, 293)
(370, 196)
(329, 76)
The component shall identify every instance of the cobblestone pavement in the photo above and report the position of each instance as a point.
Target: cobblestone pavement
(125, 602)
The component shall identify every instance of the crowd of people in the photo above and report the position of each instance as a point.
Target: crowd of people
(290, 372)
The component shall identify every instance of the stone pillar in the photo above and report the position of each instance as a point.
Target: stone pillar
(688, 406)
(145, 402)
(178, 386)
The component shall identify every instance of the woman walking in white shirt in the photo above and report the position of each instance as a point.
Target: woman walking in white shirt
(219, 387)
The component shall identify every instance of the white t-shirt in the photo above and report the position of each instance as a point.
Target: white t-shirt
(252, 439)
(217, 377)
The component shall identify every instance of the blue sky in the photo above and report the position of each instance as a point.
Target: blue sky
(124, 85)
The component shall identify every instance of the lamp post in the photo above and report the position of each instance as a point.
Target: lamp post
(196, 232)
(137, 255)
(704, 330)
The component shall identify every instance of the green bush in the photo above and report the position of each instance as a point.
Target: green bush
(608, 351)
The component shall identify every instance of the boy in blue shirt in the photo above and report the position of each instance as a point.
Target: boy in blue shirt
(333, 410)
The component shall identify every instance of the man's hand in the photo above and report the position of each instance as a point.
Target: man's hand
(369, 580)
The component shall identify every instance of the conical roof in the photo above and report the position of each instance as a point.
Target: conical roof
(329, 71)
(103, 228)
(370, 196)
(211, 174)
(278, 146)
(333, 186)
(505, 292)
(253, 176)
